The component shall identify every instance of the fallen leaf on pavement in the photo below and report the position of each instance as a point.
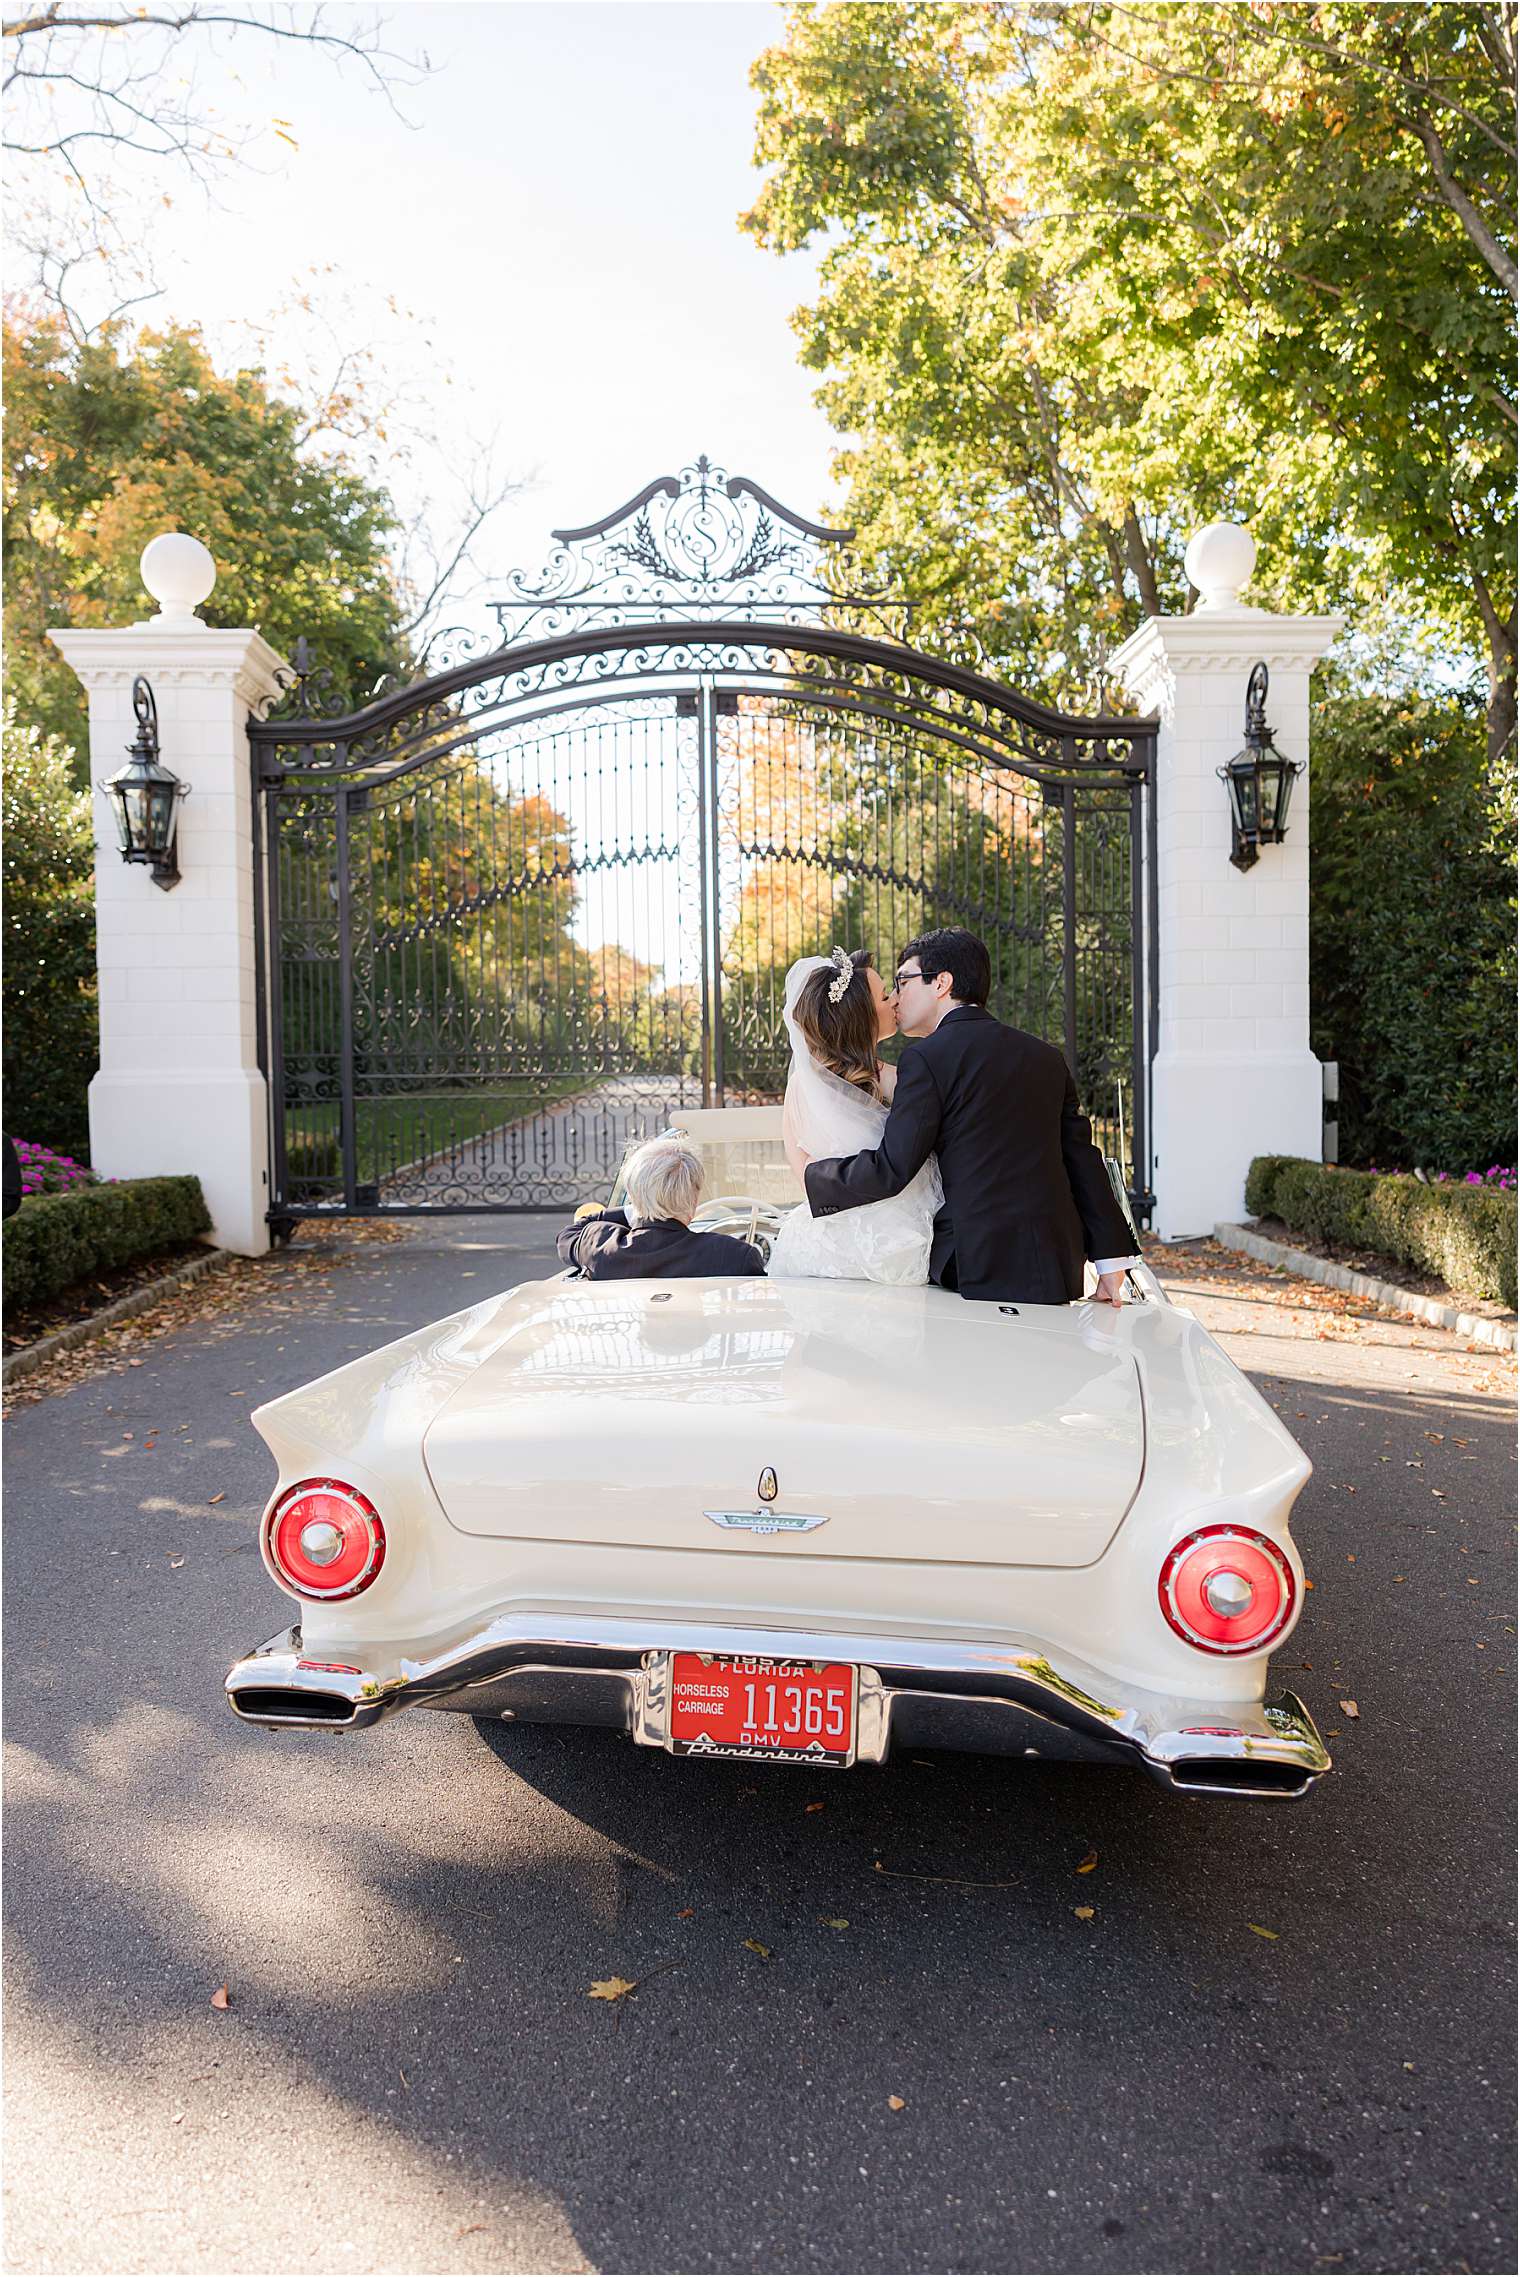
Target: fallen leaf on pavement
(1089, 1863)
(221, 1998)
(753, 1945)
(896, 2103)
(686, 1913)
(216, 1498)
(833, 1921)
(809, 1808)
(1083, 1912)
(1350, 1708)
(611, 1988)
(1260, 1932)
(176, 1561)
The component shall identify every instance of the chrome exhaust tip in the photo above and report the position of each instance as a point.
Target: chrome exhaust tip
(1236, 1775)
(274, 1705)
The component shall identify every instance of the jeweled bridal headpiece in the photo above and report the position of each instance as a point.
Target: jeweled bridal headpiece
(844, 973)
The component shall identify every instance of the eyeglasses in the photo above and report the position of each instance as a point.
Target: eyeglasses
(899, 977)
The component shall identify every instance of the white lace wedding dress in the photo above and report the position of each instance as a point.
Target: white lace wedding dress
(827, 1117)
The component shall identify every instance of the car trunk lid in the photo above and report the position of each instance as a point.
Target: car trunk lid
(796, 1419)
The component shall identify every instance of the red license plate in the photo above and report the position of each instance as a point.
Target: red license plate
(793, 1711)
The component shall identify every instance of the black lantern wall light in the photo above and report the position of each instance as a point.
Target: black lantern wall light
(145, 796)
(1260, 781)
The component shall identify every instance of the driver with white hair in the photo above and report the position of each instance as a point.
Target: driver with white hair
(651, 1237)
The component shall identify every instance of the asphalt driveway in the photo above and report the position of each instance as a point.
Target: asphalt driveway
(1283, 2041)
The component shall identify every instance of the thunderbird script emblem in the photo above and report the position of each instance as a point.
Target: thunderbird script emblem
(763, 1521)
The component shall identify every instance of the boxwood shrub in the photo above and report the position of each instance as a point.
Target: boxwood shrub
(1260, 1179)
(56, 1239)
(1466, 1234)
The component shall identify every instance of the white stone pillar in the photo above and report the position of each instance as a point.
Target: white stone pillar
(1233, 1076)
(179, 1087)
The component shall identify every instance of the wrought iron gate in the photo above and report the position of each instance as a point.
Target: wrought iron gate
(515, 914)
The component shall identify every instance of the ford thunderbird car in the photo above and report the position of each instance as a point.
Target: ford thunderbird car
(801, 1521)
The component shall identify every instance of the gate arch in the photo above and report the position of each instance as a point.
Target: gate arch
(523, 909)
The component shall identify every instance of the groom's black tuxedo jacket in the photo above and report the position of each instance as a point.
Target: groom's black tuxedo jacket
(1026, 1195)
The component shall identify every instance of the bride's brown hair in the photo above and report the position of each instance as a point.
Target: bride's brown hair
(842, 1037)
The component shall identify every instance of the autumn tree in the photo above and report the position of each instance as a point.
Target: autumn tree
(111, 442)
(1095, 274)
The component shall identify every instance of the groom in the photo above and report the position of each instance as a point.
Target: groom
(1027, 1198)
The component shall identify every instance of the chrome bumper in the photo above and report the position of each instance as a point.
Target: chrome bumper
(983, 1698)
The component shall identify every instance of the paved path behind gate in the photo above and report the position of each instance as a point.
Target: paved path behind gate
(1282, 2042)
(579, 1141)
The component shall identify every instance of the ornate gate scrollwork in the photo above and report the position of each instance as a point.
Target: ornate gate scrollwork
(519, 911)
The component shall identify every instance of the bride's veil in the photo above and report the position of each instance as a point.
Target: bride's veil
(830, 1116)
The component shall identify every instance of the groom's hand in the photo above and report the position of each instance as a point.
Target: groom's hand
(1109, 1290)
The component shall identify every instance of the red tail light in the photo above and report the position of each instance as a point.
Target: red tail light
(325, 1539)
(1226, 1590)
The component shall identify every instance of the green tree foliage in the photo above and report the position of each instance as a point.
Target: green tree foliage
(1096, 274)
(1412, 932)
(49, 1028)
(112, 441)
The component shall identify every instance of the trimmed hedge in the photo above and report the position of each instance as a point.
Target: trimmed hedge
(1260, 1179)
(56, 1239)
(1466, 1234)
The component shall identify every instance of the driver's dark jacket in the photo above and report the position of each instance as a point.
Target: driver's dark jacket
(608, 1248)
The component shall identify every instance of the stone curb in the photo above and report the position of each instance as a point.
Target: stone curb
(1499, 1334)
(30, 1356)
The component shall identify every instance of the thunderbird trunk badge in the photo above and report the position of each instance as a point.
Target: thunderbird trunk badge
(763, 1521)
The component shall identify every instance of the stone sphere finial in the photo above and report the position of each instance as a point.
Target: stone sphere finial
(1219, 561)
(179, 573)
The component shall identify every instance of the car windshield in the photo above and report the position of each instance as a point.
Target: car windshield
(742, 1163)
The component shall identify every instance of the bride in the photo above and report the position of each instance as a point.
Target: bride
(837, 1093)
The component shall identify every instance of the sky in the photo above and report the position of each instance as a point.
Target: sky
(554, 214)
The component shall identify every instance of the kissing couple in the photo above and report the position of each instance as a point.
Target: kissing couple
(970, 1165)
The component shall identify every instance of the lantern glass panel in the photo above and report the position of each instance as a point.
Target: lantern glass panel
(1244, 784)
(134, 811)
(159, 816)
(1278, 785)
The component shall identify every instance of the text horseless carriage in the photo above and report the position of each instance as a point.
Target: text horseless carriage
(808, 1521)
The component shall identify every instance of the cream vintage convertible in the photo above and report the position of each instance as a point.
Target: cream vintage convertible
(796, 1521)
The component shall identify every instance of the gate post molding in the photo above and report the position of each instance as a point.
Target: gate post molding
(1233, 1074)
(179, 1087)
